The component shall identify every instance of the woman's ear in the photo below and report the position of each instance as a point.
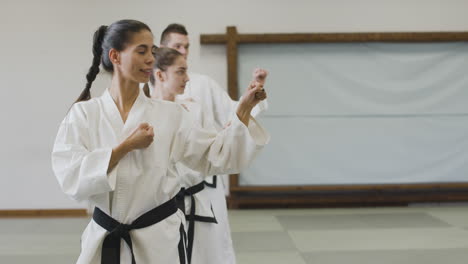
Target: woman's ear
(114, 56)
(159, 75)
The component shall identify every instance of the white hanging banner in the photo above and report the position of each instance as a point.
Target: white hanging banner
(361, 113)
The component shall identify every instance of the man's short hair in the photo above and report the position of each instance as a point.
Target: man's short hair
(172, 28)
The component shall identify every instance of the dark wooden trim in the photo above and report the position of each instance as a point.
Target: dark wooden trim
(331, 195)
(234, 181)
(338, 37)
(213, 39)
(353, 187)
(231, 53)
(342, 199)
(33, 213)
(345, 195)
(233, 89)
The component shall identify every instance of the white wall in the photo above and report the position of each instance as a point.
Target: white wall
(46, 51)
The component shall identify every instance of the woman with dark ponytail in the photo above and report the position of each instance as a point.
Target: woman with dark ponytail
(107, 153)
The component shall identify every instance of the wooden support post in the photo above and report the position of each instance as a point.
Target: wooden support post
(231, 53)
(233, 88)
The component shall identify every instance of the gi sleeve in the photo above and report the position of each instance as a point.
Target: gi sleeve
(228, 151)
(80, 171)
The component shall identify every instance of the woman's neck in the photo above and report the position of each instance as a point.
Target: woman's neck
(124, 94)
(160, 93)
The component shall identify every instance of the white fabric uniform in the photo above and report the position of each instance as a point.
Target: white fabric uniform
(212, 107)
(140, 181)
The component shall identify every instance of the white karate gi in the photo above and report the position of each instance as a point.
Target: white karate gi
(140, 181)
(212, 107)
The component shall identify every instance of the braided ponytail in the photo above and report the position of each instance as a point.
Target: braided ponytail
(146, 90)
(94, 69)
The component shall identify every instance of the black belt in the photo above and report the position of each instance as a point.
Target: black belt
(118, 231)
(192, 217)
(212, 185)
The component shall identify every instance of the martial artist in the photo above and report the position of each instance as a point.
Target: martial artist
(212, 243)
(168, 81)
(114, 151)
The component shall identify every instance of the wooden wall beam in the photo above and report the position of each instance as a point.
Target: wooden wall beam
(34, 213)
(355, 187)
(233, 87)
(337, 37)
